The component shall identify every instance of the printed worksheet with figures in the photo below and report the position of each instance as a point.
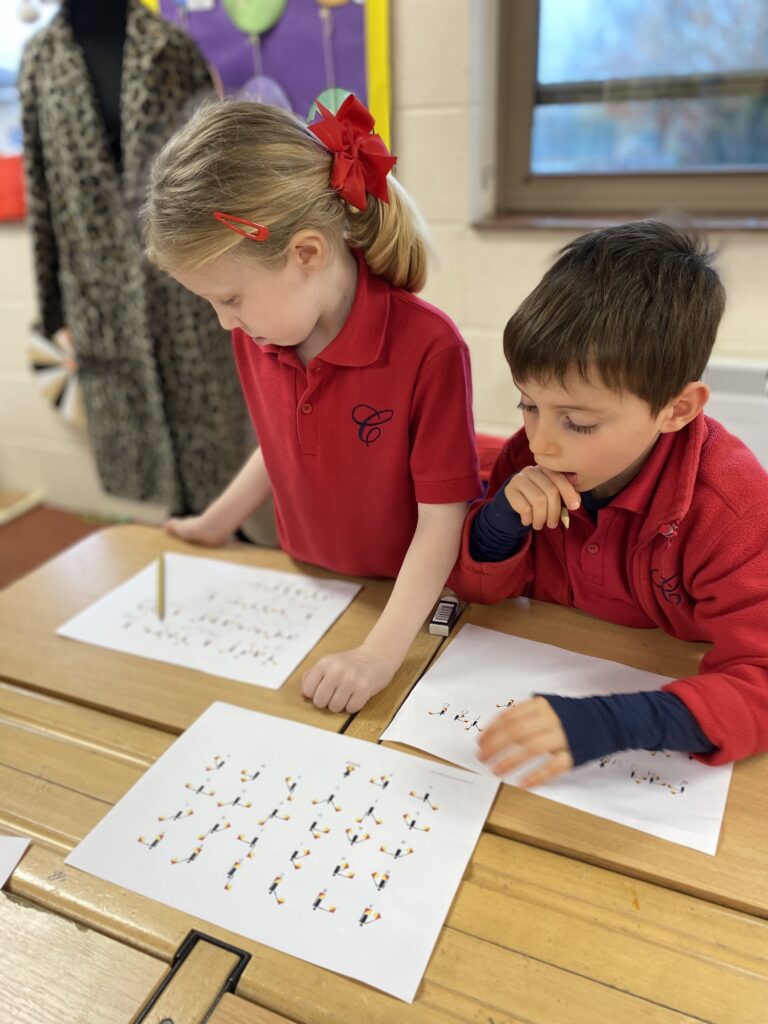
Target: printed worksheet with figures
(338, 851)
(252, 625)
(483, 672)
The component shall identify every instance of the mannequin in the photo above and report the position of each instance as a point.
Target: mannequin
(99, 28)
(102, 87)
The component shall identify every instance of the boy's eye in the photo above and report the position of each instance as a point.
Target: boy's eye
(230, 302)
(570, 425)
(580, 428)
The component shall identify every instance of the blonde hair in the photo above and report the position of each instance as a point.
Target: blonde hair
(261, 163)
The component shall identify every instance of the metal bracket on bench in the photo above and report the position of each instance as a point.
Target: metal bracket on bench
(181, 955)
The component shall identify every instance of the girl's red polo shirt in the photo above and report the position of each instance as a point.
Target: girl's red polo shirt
(381, 420)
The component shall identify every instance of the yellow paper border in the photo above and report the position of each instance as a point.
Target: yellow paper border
(377, 64)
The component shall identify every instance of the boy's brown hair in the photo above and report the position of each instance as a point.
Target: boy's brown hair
(639, 303)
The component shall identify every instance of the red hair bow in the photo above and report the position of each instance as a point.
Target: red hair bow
(361, 159)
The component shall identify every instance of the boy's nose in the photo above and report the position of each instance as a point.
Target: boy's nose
(541, 441)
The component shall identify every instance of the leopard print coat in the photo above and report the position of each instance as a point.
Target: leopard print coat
(164, 408)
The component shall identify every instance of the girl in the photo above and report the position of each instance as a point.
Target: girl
(360, 393)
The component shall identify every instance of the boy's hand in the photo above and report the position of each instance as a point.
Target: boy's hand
(537, 495)
(346, 681)
(197, 530)
(528, 730)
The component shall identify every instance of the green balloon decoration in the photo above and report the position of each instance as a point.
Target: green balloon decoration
(255, 17)
(331, 100)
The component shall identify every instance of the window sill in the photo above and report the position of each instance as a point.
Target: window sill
(589, 221)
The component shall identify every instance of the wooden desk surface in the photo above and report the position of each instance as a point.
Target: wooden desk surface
(152, 692)
(736, 877)
(53, 970)
(531, 937)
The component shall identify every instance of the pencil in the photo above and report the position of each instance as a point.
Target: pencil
(565, 519)
(160, 582)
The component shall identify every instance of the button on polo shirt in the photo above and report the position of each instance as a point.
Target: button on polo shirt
(378, 422)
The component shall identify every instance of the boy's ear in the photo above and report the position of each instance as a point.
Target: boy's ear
(684, 407)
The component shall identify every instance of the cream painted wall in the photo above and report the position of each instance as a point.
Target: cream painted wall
(443, 130)
(443, 79)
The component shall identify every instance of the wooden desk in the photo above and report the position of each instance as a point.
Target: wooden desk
(737, 877)
(53, 970)
(152, 692)
(532, 936)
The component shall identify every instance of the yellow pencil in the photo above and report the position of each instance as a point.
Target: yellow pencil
(160, 594)
(565, 519)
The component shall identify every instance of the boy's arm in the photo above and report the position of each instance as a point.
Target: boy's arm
(496, 559)
(497, 531)
(575, 730)
(486, 581)
(729, 585)
(719, 715)
(249, 489)
(348, 679)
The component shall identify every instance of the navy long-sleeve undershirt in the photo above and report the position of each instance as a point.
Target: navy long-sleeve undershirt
(594, 726)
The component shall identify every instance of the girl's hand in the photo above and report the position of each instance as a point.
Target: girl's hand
(197, 530)
(527, 730)
(346, 681)
(537, 495)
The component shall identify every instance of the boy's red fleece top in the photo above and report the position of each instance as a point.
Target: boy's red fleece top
(683, 547)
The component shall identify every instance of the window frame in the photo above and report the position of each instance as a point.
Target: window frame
(732, 195)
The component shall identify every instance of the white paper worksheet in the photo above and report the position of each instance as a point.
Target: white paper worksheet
(12, 849)
(341, 852)
(252, 625)
(482, 672)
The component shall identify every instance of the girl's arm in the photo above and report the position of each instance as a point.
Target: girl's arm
(346, 681)
(249, 489)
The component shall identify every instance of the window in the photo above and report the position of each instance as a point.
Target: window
(630, 106)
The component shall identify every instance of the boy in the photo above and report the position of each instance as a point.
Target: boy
(667, 513)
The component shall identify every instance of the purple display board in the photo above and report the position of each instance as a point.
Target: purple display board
(312, 47)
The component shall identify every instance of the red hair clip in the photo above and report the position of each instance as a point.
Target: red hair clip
(361, 160)
(260, 232)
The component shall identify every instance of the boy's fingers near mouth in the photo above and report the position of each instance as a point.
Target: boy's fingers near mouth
(568, 492)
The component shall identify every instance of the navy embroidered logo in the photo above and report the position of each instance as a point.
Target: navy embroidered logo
(370, 421)
(668, 586)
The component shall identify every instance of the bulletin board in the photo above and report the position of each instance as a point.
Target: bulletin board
(292, 52)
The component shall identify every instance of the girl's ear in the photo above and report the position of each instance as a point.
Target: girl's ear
(685, 407)
(309, 249)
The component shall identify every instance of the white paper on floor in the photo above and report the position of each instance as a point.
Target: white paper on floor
(482, 672)
(338, 851)
(12, 849)
(252, 625)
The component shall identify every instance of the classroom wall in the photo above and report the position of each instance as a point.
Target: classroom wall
(443, 130)
(443, 95)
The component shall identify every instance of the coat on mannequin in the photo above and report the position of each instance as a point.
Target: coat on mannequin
(102, 87)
